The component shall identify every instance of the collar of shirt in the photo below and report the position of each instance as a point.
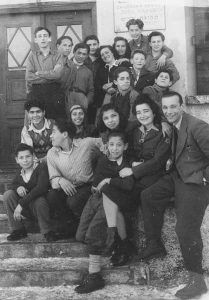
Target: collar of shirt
(39, 52)
(142, 129)
(33, 128)
(74, 144)
(78, 65)
(178, 124)
(23, 173)
(123, 93)
(112, 65)
(118, 161)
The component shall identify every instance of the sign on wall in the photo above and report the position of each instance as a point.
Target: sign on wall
(151, 12)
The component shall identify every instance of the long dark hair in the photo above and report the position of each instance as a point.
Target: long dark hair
(128, 49)
(101, 127)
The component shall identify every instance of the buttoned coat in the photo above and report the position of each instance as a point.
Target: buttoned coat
(192, 150)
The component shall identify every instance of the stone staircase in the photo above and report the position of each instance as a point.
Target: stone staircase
(34, 269)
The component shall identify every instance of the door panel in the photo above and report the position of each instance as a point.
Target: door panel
(76, 24)
(15, 44)
(16, 41)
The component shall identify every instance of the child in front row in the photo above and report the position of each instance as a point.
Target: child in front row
(27, 199)
(115, 195)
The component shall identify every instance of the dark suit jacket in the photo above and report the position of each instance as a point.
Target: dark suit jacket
(192, 150)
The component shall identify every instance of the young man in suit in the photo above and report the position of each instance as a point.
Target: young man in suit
(188, 181)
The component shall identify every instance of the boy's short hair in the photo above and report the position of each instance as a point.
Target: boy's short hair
(33, 101)
(91, 37)
(65, 125)
(23, 147)
(137, 22)
(156, 33)
(173, 93)
(169, 72)
(117, 133)
(39, 28)
(64, 37)
(81, 46)
(138, 51)
(119, 70)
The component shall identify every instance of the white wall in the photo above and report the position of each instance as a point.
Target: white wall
(178, 33)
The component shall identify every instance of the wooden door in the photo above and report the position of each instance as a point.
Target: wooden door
(16, 33)
(76, 24)
(16, 40)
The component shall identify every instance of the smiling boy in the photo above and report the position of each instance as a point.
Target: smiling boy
(125, 95)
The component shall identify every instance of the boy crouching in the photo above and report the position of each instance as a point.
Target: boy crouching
(27, 199)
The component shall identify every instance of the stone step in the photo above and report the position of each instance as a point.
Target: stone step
(110, 292)
(4, 227)
(2, 208)
(34, 246)
(6, 178)
(54, 271)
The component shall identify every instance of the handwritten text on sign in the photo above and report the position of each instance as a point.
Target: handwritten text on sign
(151, 12)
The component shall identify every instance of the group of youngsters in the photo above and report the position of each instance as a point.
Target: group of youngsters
(96, 138)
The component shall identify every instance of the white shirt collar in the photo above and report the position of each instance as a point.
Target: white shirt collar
(33, 128)
(119, 160)
(142, 128)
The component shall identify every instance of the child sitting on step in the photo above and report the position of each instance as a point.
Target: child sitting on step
(114, 193)
(27, 199)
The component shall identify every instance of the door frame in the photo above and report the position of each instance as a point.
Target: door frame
(51, 7)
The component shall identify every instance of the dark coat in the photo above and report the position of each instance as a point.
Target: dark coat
(192, 150)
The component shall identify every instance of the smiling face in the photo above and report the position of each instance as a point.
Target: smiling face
(156, 43)
(107, 55)
(120, 47)
(43, 39)
(163, 80)
(123, 81)
(25, 159)
(145, 115)
(111, 119)
(65, 47)
(138, 61)
(93, 45)
(36, 116)
(116, 147)
(80, 55)
(57, 137)
(172, 109)
(77, 116)
(134, 31)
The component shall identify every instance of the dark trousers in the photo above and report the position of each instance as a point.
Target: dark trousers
(37, 208)
(63, 205)
(92, 228)
(190, 202)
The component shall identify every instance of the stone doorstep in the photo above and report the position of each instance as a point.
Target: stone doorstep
(109, 292)
(34, 246)
(64, 271)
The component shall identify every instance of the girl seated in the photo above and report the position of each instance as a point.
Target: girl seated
(115, 194)
(78, 117)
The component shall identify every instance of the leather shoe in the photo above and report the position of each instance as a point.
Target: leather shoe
(91, 282)
(50, 236)
(195, 287)
(17, 235)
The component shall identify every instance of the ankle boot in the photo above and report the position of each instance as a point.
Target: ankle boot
(91, 282)
(123, 253)
(195, 287)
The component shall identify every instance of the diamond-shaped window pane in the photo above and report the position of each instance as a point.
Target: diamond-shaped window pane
(18, 45)
(11, 62)
(10, 33)
(60, 30)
